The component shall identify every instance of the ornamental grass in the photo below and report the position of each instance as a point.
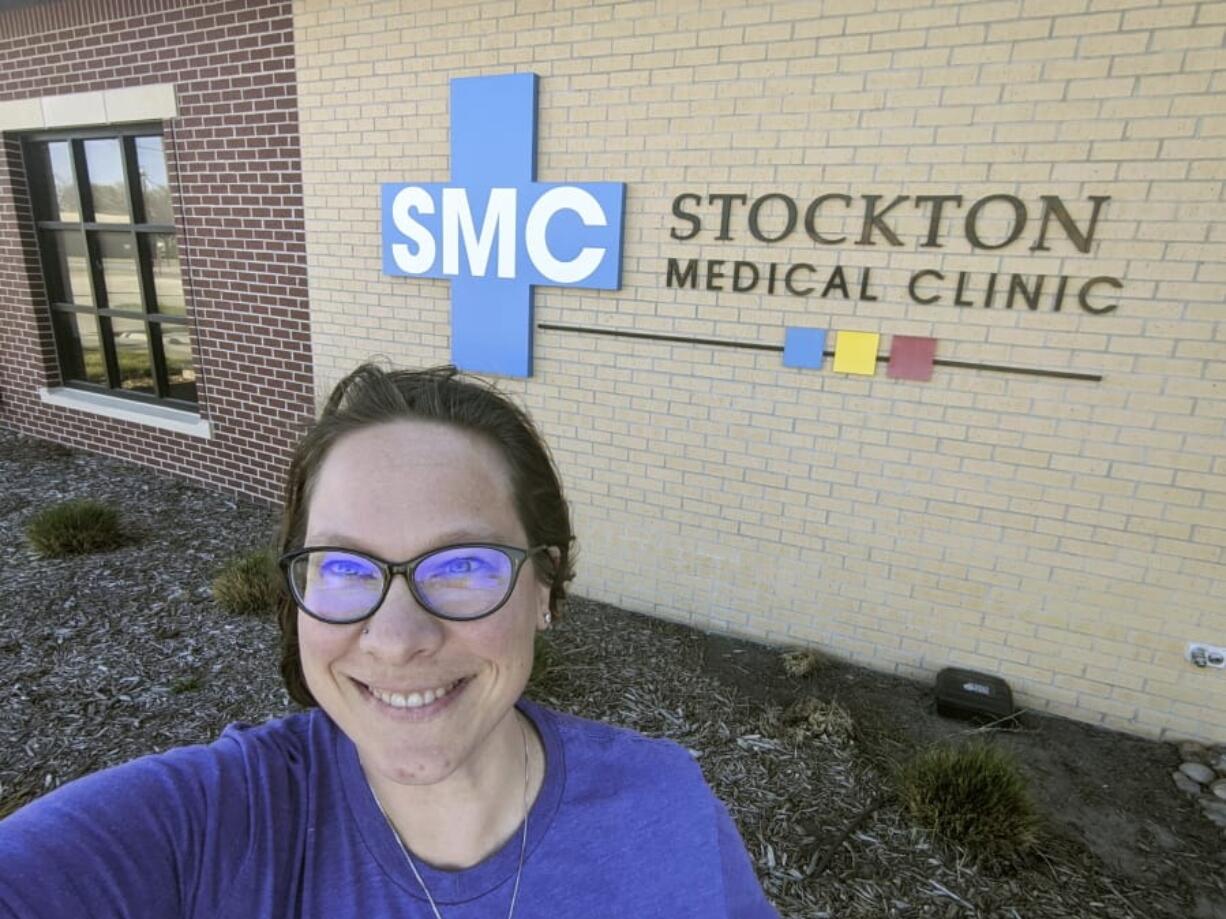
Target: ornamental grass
(249, 584)
(973, 796)
(76, 527)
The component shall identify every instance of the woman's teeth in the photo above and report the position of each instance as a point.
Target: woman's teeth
(413, 699)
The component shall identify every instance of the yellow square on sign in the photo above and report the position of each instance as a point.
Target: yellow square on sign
(856, 352)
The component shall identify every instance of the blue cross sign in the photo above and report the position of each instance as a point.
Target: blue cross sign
(495, 232)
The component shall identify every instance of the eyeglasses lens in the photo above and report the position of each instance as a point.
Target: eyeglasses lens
(337, 585)
(462, 582)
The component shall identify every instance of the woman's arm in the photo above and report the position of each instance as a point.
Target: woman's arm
(152, 837)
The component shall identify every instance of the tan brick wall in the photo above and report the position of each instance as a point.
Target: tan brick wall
(1067, 535)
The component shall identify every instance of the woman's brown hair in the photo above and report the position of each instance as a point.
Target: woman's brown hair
(371, 396)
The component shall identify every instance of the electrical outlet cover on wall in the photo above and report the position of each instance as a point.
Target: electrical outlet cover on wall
(1203, 655)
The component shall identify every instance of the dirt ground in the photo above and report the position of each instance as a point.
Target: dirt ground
(1106, 795)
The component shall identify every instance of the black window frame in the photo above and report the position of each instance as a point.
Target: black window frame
(141, 234)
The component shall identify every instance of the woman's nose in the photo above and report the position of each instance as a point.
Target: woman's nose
(400, 627)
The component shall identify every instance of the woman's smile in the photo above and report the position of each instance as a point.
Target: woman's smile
(414, 705)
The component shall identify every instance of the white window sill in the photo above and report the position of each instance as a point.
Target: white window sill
(155, 416)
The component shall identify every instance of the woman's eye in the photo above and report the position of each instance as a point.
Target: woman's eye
(346, 568)
(462, 566)
(459, 566)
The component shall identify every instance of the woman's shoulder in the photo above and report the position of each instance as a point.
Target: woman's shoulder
(277, 743)
(287, 734)
(161, 831)
(611, 755)
(602, 735)
(241, 754)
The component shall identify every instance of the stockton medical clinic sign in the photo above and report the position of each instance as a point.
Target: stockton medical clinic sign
(495, 232)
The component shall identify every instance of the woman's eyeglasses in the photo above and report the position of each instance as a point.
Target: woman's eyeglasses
(461, 582)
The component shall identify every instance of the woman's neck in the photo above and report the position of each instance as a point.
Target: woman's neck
(462, 820)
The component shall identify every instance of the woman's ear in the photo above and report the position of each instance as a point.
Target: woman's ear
(543, 615)
(545, 591)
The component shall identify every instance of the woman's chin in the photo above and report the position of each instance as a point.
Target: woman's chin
(407, 767)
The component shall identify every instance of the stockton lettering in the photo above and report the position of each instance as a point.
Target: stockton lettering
(988, 223)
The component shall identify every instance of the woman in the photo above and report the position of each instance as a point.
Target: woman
(426, 542)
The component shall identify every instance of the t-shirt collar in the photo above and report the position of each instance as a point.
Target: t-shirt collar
(454, 887)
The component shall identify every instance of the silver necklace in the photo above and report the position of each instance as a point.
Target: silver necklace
(523, 839)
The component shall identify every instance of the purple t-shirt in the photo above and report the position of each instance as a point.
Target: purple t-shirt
(278, 820)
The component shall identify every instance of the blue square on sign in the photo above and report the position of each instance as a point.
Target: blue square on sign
(804, 348)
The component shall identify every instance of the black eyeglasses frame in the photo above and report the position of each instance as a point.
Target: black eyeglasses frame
(407, 568)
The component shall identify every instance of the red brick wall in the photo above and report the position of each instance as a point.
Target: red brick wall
(235, 167)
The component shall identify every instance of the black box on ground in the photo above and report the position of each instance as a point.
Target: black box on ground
(976, 696)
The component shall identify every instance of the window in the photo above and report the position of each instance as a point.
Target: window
(111, 263)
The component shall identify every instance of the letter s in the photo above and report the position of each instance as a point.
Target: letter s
(407, 200)
(691, 219)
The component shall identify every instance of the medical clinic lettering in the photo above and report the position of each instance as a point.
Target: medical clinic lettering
(776, 217)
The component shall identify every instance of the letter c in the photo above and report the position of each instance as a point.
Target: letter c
(927, 272)
(564, 198)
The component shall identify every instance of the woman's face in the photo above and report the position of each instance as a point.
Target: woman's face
(397, 490)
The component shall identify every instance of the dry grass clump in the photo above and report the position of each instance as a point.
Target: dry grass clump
(75, 527)
(800, 662)
(812, 718)
(973, 796)
(248, 585)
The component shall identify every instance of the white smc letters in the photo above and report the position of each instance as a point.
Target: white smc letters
(458, 221)
(563, 198)
(407, 200)
(500, 224)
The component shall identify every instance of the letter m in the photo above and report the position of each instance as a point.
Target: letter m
(678, 278)
(458, 224)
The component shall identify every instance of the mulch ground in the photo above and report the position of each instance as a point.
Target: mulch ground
(107, 657)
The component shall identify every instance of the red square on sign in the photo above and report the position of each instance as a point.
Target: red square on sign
(911, 358)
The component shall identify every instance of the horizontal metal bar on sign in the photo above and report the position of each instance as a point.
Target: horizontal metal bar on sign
(656, 336)
(756, 346)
